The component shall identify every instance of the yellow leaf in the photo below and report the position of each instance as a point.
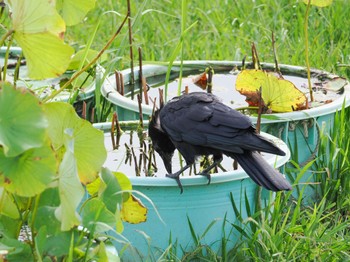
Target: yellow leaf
(278, 95)
(94, 187)
(38, 29)
(319, 3)
(46, 54)
(36, 16)
(133, 211)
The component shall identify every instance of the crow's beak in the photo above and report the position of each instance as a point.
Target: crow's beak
(167, 160)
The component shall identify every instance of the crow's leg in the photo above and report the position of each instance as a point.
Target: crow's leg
(205, 172)
(176, 176)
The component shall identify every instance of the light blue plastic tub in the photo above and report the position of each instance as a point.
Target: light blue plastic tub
(200, 203)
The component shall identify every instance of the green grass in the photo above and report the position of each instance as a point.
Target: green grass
(225, 30)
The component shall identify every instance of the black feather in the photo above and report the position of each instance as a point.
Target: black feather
(200, 124)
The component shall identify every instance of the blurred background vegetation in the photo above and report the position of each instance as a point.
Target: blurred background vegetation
(224, 30)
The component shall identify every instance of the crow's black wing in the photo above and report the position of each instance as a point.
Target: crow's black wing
(201, 119)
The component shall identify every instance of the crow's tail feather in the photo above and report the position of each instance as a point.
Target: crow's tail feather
(261, 172)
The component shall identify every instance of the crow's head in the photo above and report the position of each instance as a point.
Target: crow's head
(161, 142)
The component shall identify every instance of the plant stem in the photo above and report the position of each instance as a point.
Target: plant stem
(3, 38)
(183, 27)
(307, 49)
(93, 61)
(34, 212)
(132, 78)
(6, 59)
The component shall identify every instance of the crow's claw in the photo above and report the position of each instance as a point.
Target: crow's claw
(177, 178)
(206, 175)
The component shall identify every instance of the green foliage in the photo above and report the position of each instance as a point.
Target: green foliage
(288, 231)
(39, 36)
(18, 130)
(42, 198)
(333, 165)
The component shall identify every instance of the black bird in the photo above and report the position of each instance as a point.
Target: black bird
(200, 124)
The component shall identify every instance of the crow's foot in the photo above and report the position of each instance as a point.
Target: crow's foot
(176, 176)
(207, 175)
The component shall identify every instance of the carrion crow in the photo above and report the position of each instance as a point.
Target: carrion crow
(198, 124)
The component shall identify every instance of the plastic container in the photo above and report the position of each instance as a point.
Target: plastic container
(200, 203)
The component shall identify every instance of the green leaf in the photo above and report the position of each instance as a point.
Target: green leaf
(21, 250)
(40, 239)
(29, 173)
(22, 120)
(38, 30)
(45, 217)
(319, 3)
(58, 245)
(83, 80)
(80, 56)
(9, 227)
(71, 190)
(73, 11)
(110, 195)
(89, 149)
(7, 206)
(96, 216)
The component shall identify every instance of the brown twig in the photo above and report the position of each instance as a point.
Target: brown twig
(135, 162)
(112, 130)
(161, 99)
(260, 107)
(117, 81)
(92, 117)
(210, 80)
(140, 64)
(121, 77)
(83, 113)
(132, 78)
(255, 57)
(115, 129)
(277, 68)
(145, 90)
(140, 110)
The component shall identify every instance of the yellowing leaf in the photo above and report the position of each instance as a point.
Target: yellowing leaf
(47, 55)
(36, 16)
(73, 11)
(38, 29)
(319, 3)
(123, 181)
(94, 187)
(278, 95)
(133, 211)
